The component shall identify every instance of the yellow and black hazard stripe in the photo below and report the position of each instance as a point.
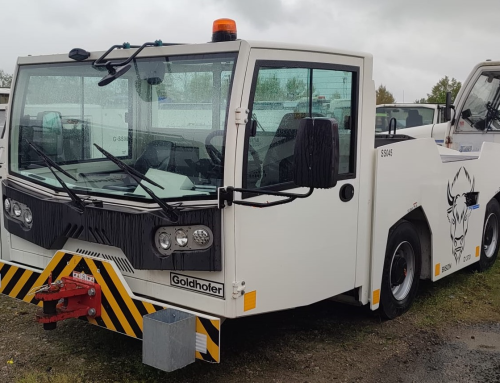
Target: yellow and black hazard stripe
(210, 328)
(119, 311)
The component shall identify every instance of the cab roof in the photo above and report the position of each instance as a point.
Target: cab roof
(182, 49)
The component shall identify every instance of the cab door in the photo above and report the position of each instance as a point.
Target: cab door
(304, 251)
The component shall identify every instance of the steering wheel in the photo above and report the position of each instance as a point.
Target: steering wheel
(214, 153)
(216, 156)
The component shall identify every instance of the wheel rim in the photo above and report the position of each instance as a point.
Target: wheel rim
(490, 235)
(402, 270)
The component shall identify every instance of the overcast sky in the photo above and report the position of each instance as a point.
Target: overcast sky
(414, 42)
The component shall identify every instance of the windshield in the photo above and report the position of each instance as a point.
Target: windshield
(165, 117)
(481, 107)
(406, 117)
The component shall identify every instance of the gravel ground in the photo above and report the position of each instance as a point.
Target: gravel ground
(464, 354)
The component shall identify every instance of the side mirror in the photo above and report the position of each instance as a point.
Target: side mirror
(448, 107)
(316, 155)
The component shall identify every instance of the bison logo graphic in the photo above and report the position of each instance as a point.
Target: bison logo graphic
(461, 196)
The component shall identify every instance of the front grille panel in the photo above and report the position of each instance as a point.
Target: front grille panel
(123, 265)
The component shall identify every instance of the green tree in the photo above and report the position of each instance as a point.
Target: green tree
(295, 88)
(5, 79)
(200, 88)
(438, 92)
(384, 96)
(421, 101)
(269, 89)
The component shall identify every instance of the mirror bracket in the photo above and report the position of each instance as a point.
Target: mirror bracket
(226, 195)
(124, 67)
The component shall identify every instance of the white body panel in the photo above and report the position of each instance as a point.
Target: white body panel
(404, 184)
(437, 132)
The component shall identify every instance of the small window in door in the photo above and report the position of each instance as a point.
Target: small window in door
(281, 97)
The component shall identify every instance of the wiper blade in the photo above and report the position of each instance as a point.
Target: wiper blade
(51, 164)
(126, 168)
(168, 210)
(49, 160)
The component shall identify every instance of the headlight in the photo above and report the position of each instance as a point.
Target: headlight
(164, 241)
(17, 210)
(6, 204)
(201, 237)
(28, 216)
(181, 238)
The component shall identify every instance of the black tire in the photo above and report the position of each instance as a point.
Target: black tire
(489, 250)
(401, 275)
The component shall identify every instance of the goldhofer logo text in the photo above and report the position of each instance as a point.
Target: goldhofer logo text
(196, 284)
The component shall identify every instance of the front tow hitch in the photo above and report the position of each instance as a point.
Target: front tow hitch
(66, 298)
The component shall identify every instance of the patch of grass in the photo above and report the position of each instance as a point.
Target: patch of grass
(44, 377)
(465, 296)
(281, 344)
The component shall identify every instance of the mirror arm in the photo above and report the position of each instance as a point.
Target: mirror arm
(227, 195)
(108, 64)
(267, 204)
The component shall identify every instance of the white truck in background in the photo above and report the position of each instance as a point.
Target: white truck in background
(473, 117)
(408, 116)
(4, 100)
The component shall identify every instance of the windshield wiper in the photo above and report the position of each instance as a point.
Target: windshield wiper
(168, 210)
(80, 205)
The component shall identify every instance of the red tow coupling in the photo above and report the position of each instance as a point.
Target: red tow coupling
(66, 298)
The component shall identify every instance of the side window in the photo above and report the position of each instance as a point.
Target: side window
(283, 95)
(480, 110)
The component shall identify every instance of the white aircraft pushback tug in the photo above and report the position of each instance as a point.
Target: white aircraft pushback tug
(156, 190)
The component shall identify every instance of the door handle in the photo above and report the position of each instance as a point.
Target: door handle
(346, 192)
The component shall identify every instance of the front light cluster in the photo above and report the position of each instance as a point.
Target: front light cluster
(169, 239)
(18, 211)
